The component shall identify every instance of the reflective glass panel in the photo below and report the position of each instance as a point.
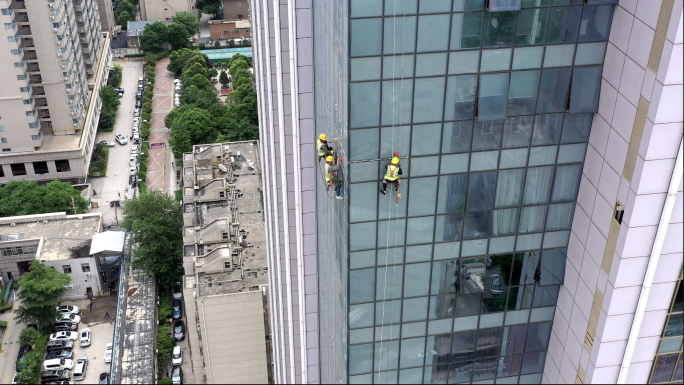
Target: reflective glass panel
(429, 100)
(469, 5)
(460, 97)
(509, 187)
(433, 33)
(420, 230)
(360, 358)
(363, 144)
(423, 197)
(505, 222)
(400, 35)
(400, 66)
(412, 353)
(396, 102)
(466, 30)
(364, 104)
(560, 216)
(566, 183)
(547, 129)
(481, 189)
(389, 282)
(493, 96)
(449, 227)
(552, 268)
(360, 316)
(531, 26)
(559, 55)
(499, 29)
(360, 207)
(553, 90)
(466, 62)
(367, 68)
(442, 306)
(522, 94)
(533, 363)
(537, 185)
(487, 135)
(540, 156)
(388, 312)
(444, 274)
(477, 225)
(424, 165)
(415, 309)
(431, 64)
(366, 35)
(514, 158)
(496, 60)
(452, 190)
(576, 128)
(426, 139)
(363, 8)
(595, 24)
(453, 163)
(572, 153)
(527, 58)
(362, 236)
(564, 25)
(394, 139)
(586, 86)
(590, 53)
(538, 337)
(361, 284)
(401, 7)
(483, 161)
(532, 219)
(386, 358)
(504, 5)
(457, 136)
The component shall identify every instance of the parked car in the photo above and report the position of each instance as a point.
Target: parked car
(55, 375)
(121, 139)
(14, 379)
(177, 104)
(496, 282)
(69, 318)
(136, 119)
(66, 354)
(85, 337)
(136, 137)
(177, 309)
(71, 336)
(22, 352)
(139, 94)
(119, 90)
(108, 353)
(179, 330)
(69, 308)
(177, 356)
(135, 149)
(58, 364)
(177, 375)
(136, 112)
(104, 378)
(65, 326)
(177, 290)
(108, 143)
(60, 345)
(80, 368)
(138, 104)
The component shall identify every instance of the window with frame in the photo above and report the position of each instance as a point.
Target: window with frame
(2, 171)
(18, 169)
(667, 364)
(85, 267)
(62, 165)
(67, 269)
(40, 167)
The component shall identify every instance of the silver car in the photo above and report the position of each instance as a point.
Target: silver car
(80, 368)
(85, 337)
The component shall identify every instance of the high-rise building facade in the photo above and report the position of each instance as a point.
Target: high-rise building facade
(536, 235)
(55, 61)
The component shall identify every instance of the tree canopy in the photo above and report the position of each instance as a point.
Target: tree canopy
(189, 20)
(154, 36)
(179, 59)
(209, 6)
(125, 12)
(178, 35)
(41, 290)
(21, 197)
(223, 79)
(155, 221)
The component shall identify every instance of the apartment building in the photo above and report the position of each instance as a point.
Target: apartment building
(56, 60)
(536, 236)
(230, 29)
(107, 19)
(164, 10)
(235, 9)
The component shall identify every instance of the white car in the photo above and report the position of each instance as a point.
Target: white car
(177, 104)
(58, 364)
(80, 368)
(136, 129)
(14, 379)
(135, 149)
(68, 309)
(108, 353)
(121, 139)
(136, 120)
(177, 356)
(69, 317)
(59, 336)
(85, 337)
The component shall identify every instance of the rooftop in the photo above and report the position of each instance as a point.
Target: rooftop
(241, 23)
(64, 236)
(136, 27)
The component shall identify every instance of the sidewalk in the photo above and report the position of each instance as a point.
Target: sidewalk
(162, 102)
(10, 345)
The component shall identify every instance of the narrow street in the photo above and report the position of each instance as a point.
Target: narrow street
(159, 169)
(10, 345)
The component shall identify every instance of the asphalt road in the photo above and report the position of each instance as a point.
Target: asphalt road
(10, 346)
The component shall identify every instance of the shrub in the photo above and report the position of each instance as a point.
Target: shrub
(165, 310)
(165, 345)
(165, 380)
(179, 194)
(147, 108)
(142, 186)
(3, 324)
(201, 45)
(6, 307)
(141, 175)
(28, 336)
(145, 131)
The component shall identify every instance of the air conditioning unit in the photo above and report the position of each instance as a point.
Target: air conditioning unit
(75, 125)
(59, 55)
(62, 66)
(73, 113)
(71, 102)
(65, 79)
(51, 5)
(54, 30)
(68, 89)
(59, 42)
(52, 17)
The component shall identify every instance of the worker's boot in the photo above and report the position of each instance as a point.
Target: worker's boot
(382, 192)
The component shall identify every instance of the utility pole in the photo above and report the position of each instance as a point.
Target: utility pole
(73, 204)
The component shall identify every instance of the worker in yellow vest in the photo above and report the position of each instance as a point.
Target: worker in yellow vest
(331, 178)
(392, 175)
(322, 146)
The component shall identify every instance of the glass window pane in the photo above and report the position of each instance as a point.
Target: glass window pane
(466, 62)
(488, 342)
(533, 363)
(576, 128)
(363, 171)
(415, 309)
(513, 158)
(538, 337)
(358, 336)
(420, 230)
(459, 373)
(447, 250)
(481, 191)
(361, 284)
(365, 8)
(417, 279)
(564, 25)
(531, 26)
(363, 144)
(532, 219)
(566, 183)
(503, 244)
(517, 131)
(389, 282)
(553, 90)
(388, 312)
(433, 33)
(520, 297)
(394, 139)
(466, 30)
(437, 348)
(482, 161)
(362, 236)
(365, 37)
(493, 97)
(678, 301)
(387, 207)
(504, 5)
(400, 35)
(390, 256)
(560, 216)
(509, 366)
(454, 163)
(663, 368)
(586, 86)
(386, 358)
(457, 135)
(452, 189)
(360, 316)
(477, 225)
(463, 345)
(386, 234)
(414, 329)
(540, 156)
(595, 24)
(396, 102)
(590, 53)
(431, 64)
(449, 227)
(679, 372)
(535, 3)
(360, 358)
(537, 185)
(528, 242)
(412, 353)
(444, 275)
(460, 97)
(499, 29)
(399, 7)
(505, 222)
(385, 377)
(474, 248)
(387, 332)
(556, 239)
(364, 104)
(469, 5)
(545, 296)
(423, 196)
(559, 55)
(435, 6)
(572, 153)
(362, 259)
(418, 253)
(487, 135)
(514, 339)
(494, 301)
(394, 67)
(484, 369)
(552, 269)
(411, 376)
(527, 58)
(547, 129)
(442, 306)
(429, 100)
(367, 68)
(361, 208)
(426, 139)
(670, 345)
(496, 60)
(522, 94)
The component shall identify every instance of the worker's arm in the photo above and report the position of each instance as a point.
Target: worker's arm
(333, 167)
(399, 172)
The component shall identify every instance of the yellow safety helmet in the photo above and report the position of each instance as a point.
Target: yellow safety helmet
(329, 159)
(323, 137)
(395, 160)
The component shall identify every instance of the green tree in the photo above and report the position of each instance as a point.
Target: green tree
(179, 58)
(242, 76)
(155, 221)
(209, 6)
(180, 141)
(204, 98)
(29, 368)
(193, 68)
(212, 73)
(231, 43)
(28, 337)
(21, 197)
(189, 20)
(223, 79)
(243, 129)
(154, 36)
(178, 36)
(110, 98)
(41, 290)
(123, 19)
(246, 43)
(126, 6)
(107, 119)
(198, 123)
(217, 44)
(200, 81)
(115, 77)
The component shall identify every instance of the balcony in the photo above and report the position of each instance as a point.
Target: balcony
(30, 55)
(44, 114)
(36, 79)
(18, 4)
(24, 30)
(33, 67)
(22, 17)
(38, 91)
(27, 42)
(41, 102)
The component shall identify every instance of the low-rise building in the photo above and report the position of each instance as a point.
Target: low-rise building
(235, 9)
(230, 29)
(164, 10)
(224, 257)
(134, 30)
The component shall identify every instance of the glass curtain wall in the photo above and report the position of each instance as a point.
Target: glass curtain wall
(668, 365)
(490, 106)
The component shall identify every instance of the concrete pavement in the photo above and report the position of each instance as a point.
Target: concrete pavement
(159, 168)
(10, 345)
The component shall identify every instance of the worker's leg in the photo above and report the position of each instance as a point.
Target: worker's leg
(384, 187)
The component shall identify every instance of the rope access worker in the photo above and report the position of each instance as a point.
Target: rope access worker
(392, 175)
(331, 177)
(323, 149)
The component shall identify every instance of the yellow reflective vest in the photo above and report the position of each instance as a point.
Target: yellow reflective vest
(392, 172)
(322, 148)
